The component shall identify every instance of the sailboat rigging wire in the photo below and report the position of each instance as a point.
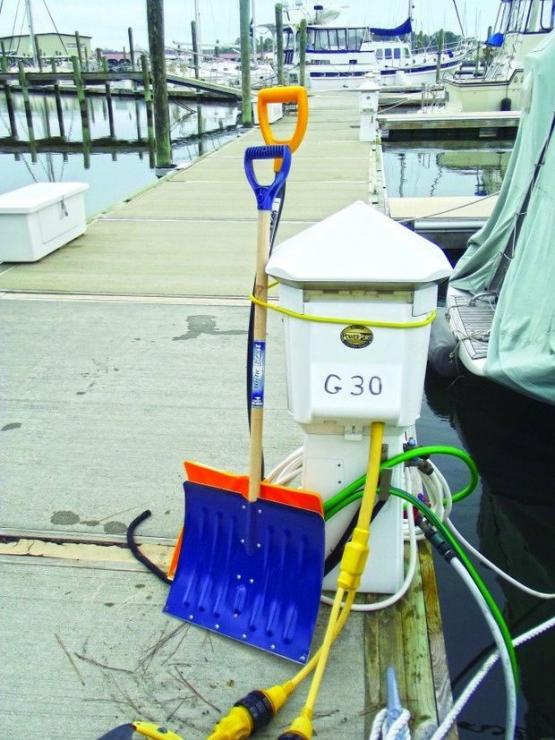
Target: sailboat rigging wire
(449, 210)
(15, 19)
(459, 17)
(56, 28)
(20, 35)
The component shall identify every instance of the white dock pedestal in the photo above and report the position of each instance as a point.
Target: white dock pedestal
(39, 218)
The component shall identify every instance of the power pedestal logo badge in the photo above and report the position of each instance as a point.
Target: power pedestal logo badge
(357, 336)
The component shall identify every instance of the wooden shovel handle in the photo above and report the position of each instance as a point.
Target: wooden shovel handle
(259, 340)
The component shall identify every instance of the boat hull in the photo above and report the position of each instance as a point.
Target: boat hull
(470, 96)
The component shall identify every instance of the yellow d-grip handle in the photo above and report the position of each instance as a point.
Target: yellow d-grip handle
(290, 94)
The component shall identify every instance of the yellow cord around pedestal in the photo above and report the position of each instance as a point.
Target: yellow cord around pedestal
(428, 319)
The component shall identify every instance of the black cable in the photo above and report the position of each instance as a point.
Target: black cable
(134, 547)
(336, 554)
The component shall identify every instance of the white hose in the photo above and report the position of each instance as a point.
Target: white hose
(482, 672)
(411, 569)
(495, 568)
(510, 686)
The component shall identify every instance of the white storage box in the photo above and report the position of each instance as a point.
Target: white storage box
(37, 219)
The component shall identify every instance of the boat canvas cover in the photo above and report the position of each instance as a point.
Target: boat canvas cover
(401, 30)
(521, 352)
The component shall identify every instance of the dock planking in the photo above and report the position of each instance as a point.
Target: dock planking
(446, 125)
(152, 268)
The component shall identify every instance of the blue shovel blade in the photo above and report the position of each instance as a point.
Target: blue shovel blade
(252, 572)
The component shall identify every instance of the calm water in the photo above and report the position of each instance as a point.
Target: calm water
(449, 170)
(512, 516)
(112, 175)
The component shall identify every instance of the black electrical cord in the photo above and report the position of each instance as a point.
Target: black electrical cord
(134, 547)
(334, 558)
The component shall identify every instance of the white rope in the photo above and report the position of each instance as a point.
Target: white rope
(377, 725)
(482, 672)
(397, 727)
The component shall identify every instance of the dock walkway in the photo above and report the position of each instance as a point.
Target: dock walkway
(124, 354)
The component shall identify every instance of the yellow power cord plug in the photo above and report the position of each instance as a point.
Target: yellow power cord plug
(252, 712)
(236, 725)
(154, 731)
(352, 566)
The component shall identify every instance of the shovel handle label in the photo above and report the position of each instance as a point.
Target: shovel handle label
(257, 384)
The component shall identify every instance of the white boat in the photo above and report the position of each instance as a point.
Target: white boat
(521, 26)
(500, 298)
(338, 56)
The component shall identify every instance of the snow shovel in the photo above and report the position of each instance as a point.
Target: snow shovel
(251, 562)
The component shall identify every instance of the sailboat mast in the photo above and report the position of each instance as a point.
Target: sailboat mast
(31, 30)
(198, 34)
(253, 14)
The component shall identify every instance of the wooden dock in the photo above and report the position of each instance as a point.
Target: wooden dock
(446, 221)
(445, 125)
(45, 80)
(125, 354)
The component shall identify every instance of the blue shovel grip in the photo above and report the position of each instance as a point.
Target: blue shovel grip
(265, 194)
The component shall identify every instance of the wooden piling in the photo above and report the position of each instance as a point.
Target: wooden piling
(39, 56)
(26, 102)
(79, 49)
(98, 53)
(148, 104)
(246, 104)
(83, 109)
(196, 64)
(46, 117)
(3, 58)
(59, 109)
(302, 52)
(279, 43)
(131, 48)
(11, 110)
(440, 37)
(155, 20)
(200, 129)
(109, 105)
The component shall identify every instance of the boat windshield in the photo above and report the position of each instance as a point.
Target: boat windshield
(528, 16)
(335, 39)
(328, 39)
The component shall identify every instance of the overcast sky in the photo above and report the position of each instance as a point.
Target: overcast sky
(107, 20)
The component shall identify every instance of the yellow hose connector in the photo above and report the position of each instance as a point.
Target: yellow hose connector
(353, 560)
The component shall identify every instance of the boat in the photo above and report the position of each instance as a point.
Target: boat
(339, 55)
(500, 299)
(520, 27)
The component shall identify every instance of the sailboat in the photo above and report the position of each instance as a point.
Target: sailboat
(339, 55)
(500, 299)
(521, 26)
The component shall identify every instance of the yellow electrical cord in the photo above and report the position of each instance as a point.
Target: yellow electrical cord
(347, 322)
(352, 567)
